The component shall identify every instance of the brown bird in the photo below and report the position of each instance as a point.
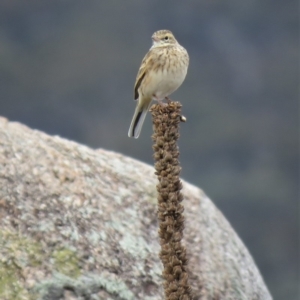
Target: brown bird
(162, 71)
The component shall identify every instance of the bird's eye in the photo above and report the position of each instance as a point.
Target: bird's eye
(166, 38)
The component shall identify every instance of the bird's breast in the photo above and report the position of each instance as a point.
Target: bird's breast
(165, 77)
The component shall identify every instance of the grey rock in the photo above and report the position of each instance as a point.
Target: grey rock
(78, 223)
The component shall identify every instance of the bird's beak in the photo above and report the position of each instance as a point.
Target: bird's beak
(155, 39)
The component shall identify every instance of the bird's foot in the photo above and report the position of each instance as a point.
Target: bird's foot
(160, 102)
(168, 100)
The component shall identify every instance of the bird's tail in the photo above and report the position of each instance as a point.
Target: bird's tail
(138, 119)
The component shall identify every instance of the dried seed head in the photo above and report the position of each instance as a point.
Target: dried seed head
(166, 120)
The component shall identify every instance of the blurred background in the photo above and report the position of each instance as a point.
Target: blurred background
(68, 68)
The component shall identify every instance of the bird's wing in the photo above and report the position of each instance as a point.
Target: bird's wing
(142, 73)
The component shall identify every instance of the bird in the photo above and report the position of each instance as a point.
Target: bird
(162, 71)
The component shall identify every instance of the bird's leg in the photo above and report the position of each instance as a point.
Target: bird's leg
(159, 101)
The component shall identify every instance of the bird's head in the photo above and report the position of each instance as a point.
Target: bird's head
(163, 37)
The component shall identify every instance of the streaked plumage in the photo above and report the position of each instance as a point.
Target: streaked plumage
(162, 71)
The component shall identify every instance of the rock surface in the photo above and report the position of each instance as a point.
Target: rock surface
(78, 223)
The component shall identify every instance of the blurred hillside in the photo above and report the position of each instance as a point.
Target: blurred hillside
(68, 68)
